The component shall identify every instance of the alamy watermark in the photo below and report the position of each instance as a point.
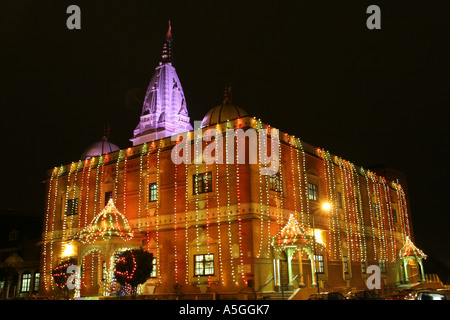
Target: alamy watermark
(258, 146)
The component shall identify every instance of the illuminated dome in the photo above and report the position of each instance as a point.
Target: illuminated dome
(13, 260)
(224, 112)
(108, 223)
(98, 148)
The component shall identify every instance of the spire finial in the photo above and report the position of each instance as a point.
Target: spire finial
(227, 95)
(167, 48)
(169, 32)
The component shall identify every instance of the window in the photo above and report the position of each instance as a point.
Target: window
(13, 235)
(108, 196)
(394, 215)
(363, 267)
(37, 277)
(339, 199)
(72, 207)
(320, 267)
(153, 273)
(152, 192)
(275, 182)
(104, 271)
(202, 182)
(26, 282)
(376, 210)
(382, 266)
(204, 264)
(313, 191)
(345, 260)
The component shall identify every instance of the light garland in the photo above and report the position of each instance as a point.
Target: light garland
(175, 213)
(116, 182)
(158, 199)
(228, 212)
(48, 220)
(239, 216)
(262, 210)
(219, 232)
(186, 216)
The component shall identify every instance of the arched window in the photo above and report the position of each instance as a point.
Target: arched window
(26, 282)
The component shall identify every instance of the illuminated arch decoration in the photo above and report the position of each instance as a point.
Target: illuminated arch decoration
(107, 224)
(410, 251)
(291, 234)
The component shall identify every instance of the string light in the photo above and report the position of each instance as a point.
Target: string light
(219, 231)
(186, 216)
(48, 221)
(158, 199)
(175, 222)
(239, 217)
(228, 211)
(116, 183)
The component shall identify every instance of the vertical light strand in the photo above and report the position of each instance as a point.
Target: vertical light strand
(382, 216)
(74, 194)
(147, 222)
(392, 241)
(347, 209)
(335, 234)
(262, 210)
(228, 211)
(358, 203)
(48, 221)
(369, 197)
(116, 183)
(125, 168)
(65, 200)
(239, 216)
(186, 213)
(307, 222)
(141, 193)
(88, 185)
(55, 201)
(219, 231)
(175, 218)
(158, 201)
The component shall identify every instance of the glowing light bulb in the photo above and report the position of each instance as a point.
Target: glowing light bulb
(326, 206)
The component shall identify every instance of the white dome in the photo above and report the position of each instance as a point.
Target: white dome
(98, 148)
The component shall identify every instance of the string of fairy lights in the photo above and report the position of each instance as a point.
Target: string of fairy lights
(82, 183)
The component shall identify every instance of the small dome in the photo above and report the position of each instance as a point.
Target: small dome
(98, 148)
(13, 260)
(224, 112)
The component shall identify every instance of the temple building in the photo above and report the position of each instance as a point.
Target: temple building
(224, 227)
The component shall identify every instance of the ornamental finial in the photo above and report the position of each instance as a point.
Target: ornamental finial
(227, 95)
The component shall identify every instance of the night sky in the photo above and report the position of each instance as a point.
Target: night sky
(309, 68)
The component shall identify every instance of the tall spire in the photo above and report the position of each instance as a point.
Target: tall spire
(167, 55)
(164, 112)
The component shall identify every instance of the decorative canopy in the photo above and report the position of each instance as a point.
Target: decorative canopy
(107, 224)
(291, 233)
(410, 250)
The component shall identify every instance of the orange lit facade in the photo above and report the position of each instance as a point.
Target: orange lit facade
(232, 222)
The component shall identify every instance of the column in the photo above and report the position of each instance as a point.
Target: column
(300, 267)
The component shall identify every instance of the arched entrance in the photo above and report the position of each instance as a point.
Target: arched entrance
(93, 270)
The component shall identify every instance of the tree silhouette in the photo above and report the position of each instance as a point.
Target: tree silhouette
(133, 267)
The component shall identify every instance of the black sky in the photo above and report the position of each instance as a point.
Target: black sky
(310, 68)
